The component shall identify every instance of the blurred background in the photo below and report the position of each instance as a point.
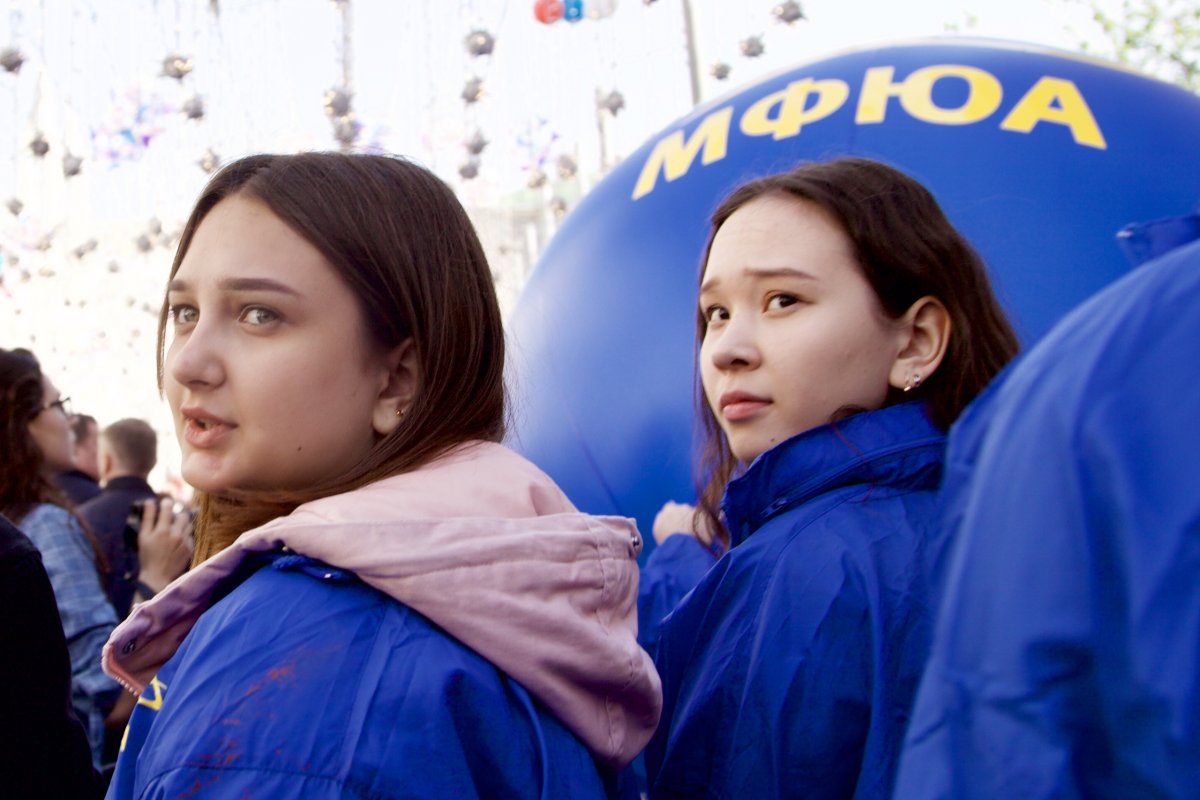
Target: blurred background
(113, 116)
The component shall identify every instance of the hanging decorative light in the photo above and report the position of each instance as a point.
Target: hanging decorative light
(39, 145)
(612, 102)
(209, 161)
(480, 43)
(346, 130)
(176, 66)
(789, 12)
(476, 143)
(71, 165)
(566, 166)
(193, 107)
(752, 47)
(337, 102)
(473, 90)
(11, 59)
(469, 169)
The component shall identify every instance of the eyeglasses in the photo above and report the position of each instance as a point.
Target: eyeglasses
(60, 404)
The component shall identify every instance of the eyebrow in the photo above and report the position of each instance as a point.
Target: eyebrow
(240, 285)
(764, 272)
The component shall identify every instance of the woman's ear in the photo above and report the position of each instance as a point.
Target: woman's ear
(398, 387)
(926, 330)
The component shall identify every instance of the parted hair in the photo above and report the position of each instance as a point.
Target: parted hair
(401, 241)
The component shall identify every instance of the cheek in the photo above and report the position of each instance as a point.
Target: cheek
(708, 378)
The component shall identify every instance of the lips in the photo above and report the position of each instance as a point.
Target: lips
(739, 406)
(202, 429)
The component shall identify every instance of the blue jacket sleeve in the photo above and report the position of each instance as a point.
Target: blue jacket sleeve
(671, 571)
(766, 678)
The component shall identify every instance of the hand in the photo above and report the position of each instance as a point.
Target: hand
(674, 518)
(164, 544)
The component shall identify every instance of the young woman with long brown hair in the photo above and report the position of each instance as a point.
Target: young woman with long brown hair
(386, 601)
(843, 324)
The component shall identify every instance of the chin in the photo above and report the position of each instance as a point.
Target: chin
(205, 481)
(746, 453)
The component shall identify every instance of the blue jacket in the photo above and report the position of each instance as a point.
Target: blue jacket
(347, 694)
(1067, 656)
(790, 669)
(459, 630)
(675, 566)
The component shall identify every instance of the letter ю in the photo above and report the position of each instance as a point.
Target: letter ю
(783, 114)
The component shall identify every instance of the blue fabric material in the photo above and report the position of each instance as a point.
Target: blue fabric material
(676, 565)
(1149, 240)
(790, 669)
(672, 570)
(1067, 654)
(78, 485)
(301, 681)
(87, 618)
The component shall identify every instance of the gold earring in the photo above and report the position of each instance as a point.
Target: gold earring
(400, 412)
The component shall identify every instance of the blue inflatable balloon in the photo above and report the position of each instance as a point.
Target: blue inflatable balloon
(1038, 157)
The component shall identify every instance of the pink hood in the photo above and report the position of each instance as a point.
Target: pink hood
(484, 544)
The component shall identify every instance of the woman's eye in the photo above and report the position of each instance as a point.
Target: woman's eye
(715, 314)
(778, 301)
(183, 315)
(257, 315)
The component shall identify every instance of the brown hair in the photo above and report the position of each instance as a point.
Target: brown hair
(403, 244)
(134, 445)
(906, 249)
(23, 483)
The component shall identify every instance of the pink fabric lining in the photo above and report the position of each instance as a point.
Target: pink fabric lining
(484, 544)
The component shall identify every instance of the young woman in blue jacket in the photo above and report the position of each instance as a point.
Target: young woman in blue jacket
(843, 324)
(386, 602)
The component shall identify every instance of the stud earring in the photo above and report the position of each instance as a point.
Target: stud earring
(400, 411)
(913, 382)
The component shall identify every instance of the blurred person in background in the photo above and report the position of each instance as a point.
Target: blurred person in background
(44, 751)
(81, 481)
(36, 438)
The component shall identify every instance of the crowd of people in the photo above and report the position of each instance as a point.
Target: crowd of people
(918, 565)
(61, 478)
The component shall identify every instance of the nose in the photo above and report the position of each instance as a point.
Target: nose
(734, 346)
(196, 359)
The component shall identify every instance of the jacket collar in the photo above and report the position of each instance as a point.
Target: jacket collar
(897, 445)
(486, 546)
(128, 483)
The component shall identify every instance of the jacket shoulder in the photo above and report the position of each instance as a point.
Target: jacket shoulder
(345, 675)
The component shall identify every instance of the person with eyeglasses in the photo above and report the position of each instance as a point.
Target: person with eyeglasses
(37, 443)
